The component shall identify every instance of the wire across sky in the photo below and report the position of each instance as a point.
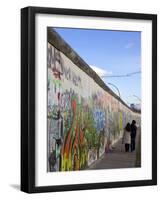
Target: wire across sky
(124, 75)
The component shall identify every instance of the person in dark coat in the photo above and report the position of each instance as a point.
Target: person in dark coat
(133, 135)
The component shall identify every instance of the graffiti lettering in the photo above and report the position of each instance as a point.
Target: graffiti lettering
(81, 118)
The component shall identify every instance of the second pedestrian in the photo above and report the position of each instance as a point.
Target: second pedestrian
(127, 137)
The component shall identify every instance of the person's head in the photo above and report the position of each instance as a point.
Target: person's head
(133, 122)
(128, 127)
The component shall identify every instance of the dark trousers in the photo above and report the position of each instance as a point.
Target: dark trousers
(126, 147)
(133, 144)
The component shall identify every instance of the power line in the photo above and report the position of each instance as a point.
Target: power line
(124, 75)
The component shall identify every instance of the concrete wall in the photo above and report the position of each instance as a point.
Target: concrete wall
(84, 115)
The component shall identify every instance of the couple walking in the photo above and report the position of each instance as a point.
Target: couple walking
(129, 136)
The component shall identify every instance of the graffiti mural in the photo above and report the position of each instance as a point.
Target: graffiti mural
(82, 117)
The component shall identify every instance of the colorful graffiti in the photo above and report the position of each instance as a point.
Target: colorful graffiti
(82, 117)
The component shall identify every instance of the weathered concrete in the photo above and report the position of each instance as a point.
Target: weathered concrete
(84, 115)
(58, 42)
(118, 158)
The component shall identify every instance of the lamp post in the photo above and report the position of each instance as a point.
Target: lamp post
(137, 98)
(117, 101)
(116, 89)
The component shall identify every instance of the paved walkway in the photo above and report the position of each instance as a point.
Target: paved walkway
(118, 158)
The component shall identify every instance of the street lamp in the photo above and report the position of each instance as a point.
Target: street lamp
(116, 89)
(137, 98)
(117, 101)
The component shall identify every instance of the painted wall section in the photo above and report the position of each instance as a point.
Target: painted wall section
(83, 119)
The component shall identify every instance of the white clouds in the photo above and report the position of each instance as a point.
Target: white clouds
(101, 72)
(129, 45)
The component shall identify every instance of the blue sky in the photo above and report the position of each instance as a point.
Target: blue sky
(110, 53)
